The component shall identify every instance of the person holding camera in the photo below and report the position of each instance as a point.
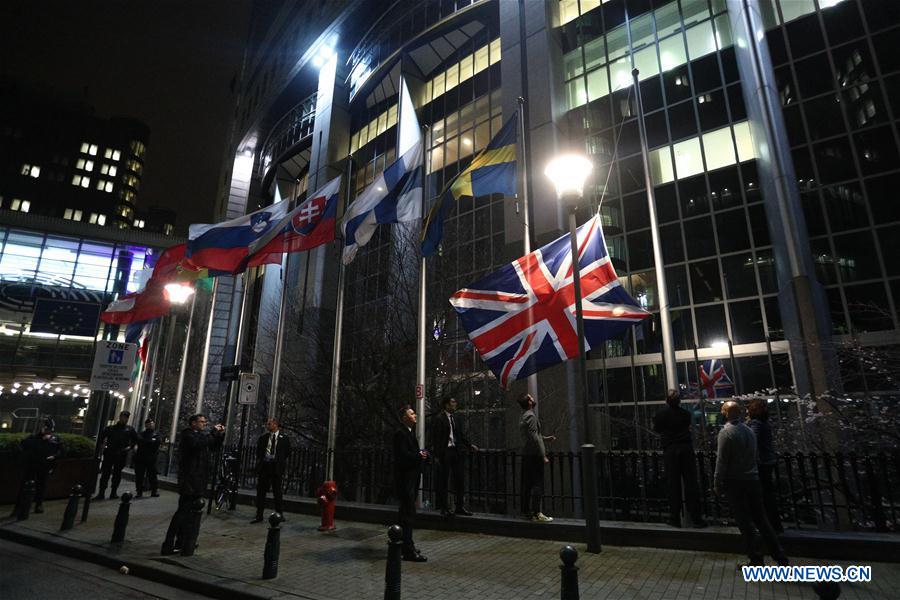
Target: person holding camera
(40, 452)
(194, 448)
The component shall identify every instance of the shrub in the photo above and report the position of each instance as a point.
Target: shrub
(74, 446)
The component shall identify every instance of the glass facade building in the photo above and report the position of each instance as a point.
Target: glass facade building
(466, 63)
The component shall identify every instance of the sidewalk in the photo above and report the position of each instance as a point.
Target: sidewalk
(349, 564)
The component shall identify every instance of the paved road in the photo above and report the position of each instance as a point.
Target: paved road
(349, 564)
(28, 573)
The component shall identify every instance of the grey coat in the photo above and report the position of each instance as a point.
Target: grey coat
(532, 439)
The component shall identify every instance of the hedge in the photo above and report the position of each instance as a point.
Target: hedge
(74, 446)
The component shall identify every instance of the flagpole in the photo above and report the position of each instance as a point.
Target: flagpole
(279, 339)
(336, 351)
(526, 219)
(204, 365)
(150, 375)
(422, 322)
(176, 410)
(238, 351)
(665, 315)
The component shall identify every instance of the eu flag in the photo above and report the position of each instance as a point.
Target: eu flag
(65, 317)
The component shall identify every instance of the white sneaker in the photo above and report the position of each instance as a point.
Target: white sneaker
(541, 518)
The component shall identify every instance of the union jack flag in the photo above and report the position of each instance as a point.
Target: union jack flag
(521, 317)
(714, 381)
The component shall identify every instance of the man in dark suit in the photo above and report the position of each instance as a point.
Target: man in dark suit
(450, 444)
(272, 450)
(408, 461)
(144, 460)
(40, 452)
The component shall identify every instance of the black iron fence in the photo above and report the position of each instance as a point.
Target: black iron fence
(815, 491)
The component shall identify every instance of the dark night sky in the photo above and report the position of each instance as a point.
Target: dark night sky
(167, 63)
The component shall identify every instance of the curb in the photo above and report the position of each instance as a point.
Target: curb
(175, 576)
(850, 546)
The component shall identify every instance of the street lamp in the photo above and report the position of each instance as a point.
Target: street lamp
(568, 174)
(178, 293)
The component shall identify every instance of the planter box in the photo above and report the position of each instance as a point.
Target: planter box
(68, 472)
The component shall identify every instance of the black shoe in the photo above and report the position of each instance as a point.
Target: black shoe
(446, 514)
(100, 496)
(168, 551)
(38, 509)
(464, 512)
(418, 557)
(139, 495)
(674, 523)
(258, 519)
(114, 496)
(154, 495)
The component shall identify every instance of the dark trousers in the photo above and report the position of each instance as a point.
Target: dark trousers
(39, 476)
(268, 476)
(451, 464)
(681, 465)
(770, 496)
(145, 467)
(176, 531)
(405, 517)
(532, 483)
(746, 501)
(113, 463)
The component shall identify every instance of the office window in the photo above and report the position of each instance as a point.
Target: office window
(137, 167)
(31, 170)
(688, 160)
(139, 223)
(72, 214)
(100, 183)
(137, 148)
(110, 170)
(98, 219)
(84, 165)
(20, 205)
(719, 148)
(112, 154)
(88, 148)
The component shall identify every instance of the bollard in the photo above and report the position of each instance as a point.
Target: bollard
(121, 523)
(827, 590)
(71, 509)
(25, 498)
(89, 490)
(191, 527)
(273, 546)
(392, 568)
(568, 588)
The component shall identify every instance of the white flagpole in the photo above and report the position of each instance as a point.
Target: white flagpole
(422, 318)
(665, 316)
(204, 365)
(150, 373)
(173, 429)
(238, 352)
(279, 339)
(526, 224)
(336, 355)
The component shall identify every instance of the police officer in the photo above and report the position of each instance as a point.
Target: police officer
(40, 452)
(115, 440)
(145, 458)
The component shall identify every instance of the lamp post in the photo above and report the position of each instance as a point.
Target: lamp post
(568, 174)
(178, 293)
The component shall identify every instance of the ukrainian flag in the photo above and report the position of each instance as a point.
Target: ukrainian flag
(493, 171)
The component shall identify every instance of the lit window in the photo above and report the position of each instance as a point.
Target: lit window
(168, 229)
(85, 182)
(745, 149)
(116, 155)
(26, 206)
(76, 180)
(661, 166)
(688, 160)
(67, 214)
(35, 171)
(72, 214)
(107, 153)
(108, 187)
(100, 183)
(84, 165)
(101, 219)
(93, 150)
(108, 170)
(112, 154)
(139, 223)
(137, 148)
(85, 147)
(26, 169)
(719, 148)
(15, 204)
(135, 166)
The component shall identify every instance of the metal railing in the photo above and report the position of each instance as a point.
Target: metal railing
(288, 131)
(814, 491)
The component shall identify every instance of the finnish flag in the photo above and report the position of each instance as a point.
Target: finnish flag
(396, 194)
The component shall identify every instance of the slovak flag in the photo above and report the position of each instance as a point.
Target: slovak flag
(309, 225)
(521, 317)
(714, 380)
(227, 246)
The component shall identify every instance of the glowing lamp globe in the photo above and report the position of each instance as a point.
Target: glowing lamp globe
(178, 293)
(568, 174)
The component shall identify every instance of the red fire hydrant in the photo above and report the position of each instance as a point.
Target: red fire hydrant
(327, 494)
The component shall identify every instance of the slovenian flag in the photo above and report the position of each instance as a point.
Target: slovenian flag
(227, 246)
(396, 194)
(309, 225)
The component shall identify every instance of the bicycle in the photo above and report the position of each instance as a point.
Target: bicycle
(226, 488)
